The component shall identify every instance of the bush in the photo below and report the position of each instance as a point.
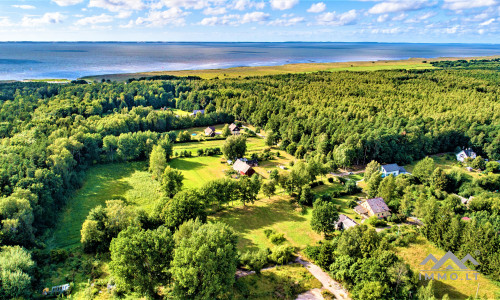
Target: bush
(330, 179)
(277, 238)
(312, 252)
(376, 222)
(255, 260)
(352, 204)
(268, 232)
(281, 254)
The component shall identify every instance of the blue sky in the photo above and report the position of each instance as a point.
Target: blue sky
(433, 21)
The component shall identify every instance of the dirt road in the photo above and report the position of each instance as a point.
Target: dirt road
(328, 283)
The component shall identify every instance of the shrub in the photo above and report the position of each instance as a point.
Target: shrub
(376, 222)
(277, 238)
(330, 179)
(268, 232)
(281, 254)
(312, 252)
(352, 204)
(255, 260)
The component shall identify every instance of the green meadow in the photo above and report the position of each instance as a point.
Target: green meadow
(130, 182)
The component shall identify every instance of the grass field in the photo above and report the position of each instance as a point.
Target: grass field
(276, 213)
(414, 254)
(130, 182)
(199, 170)
(282, 282)
(239, 72)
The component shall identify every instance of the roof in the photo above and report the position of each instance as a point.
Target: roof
(377, 205)
(468, 152)
(241, 166)
(466, 218)
(233, 127)
(202, 111)
(360, 209)
(346, 222)
(390, 168)
(209, 130)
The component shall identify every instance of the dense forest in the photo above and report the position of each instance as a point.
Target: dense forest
(52, 133)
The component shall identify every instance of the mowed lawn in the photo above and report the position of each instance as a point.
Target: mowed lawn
(130, 182)
(276, 213)
(199, 170)
(415, 253)
(254, 144)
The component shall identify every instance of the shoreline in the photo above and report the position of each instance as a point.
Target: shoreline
(291, 68)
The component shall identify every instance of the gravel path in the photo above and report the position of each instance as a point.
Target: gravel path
(328, 283)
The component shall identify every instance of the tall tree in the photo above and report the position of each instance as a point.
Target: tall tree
(171, 181)
(140, 259)
(234, 147)
(205, 262)
(324, 217)
(157, 162)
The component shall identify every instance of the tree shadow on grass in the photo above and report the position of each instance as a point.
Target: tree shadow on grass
(186, 164)
(441, 288)
(252, 217)
(102, 183)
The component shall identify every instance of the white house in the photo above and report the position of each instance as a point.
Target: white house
(392, 169)
(466, 153)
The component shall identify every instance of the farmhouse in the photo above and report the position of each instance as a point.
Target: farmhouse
(373, 207)
(392, 169)
(210, 131)
(235, 130)
(466, 153)
(345, 223)
(196, 111)
(243, 168)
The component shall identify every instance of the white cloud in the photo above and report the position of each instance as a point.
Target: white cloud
(283, 4)
(48, 18)
(317, 8)
(452, 30)
(332, 18)
(130, 24)
(235, 19)
(103, 18)
(386, 30)
(398, 6)
(173, 16)
(382, 18)
(5, 22)
(124, 14)
(400, 17)
(459, 5)
(212, 11)
(223, 20)
(287, 22)
(256, 16)
(187, 4)
(24, 6)
(246, 4)
(422, 17)
(118, 5)
(67, 2)
(486, 23)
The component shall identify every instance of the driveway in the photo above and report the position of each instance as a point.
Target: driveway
(328, 283)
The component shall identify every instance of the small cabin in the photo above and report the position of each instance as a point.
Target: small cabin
(243, 168)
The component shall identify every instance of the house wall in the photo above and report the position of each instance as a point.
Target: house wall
(395, 173)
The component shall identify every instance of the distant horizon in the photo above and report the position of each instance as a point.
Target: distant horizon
(255, 42)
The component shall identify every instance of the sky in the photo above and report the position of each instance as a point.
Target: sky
(422, 21)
